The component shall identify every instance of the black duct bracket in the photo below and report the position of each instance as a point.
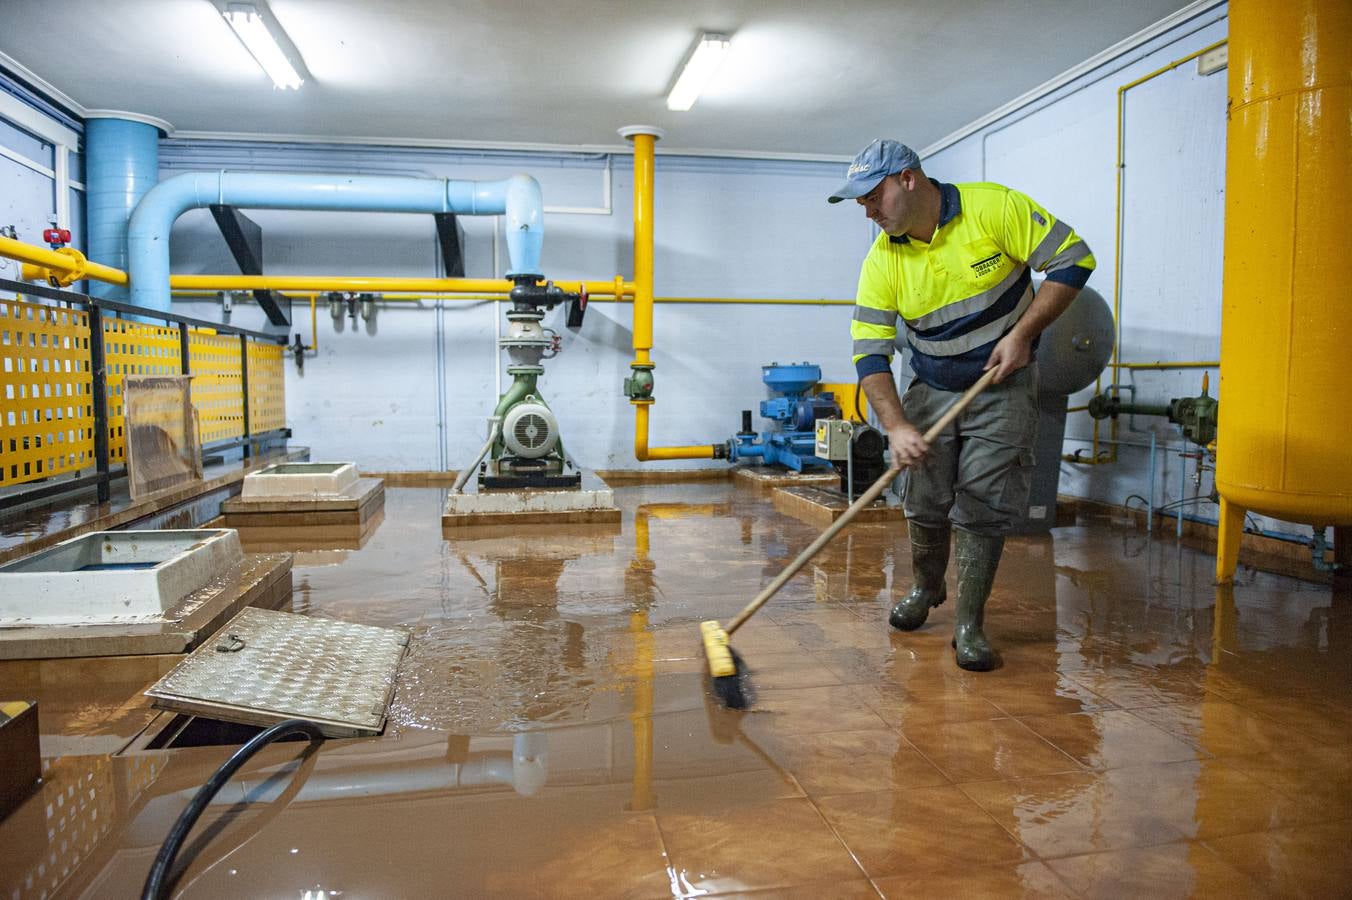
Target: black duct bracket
(245, 239)
(451, 237)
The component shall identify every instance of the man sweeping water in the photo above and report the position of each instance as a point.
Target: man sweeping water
(953, 264)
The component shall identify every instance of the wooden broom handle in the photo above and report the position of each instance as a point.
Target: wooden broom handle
(864, 500)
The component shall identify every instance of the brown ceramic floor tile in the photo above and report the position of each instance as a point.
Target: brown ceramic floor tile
(1037, 693)
(983, 751)
(856, 666)
(836, 890)
(1309, 861)
(860, 634)
(773, 671)
(1327, 723)
(1110, 739)
(924, 707)
(1062, 815)
(935, 829)
(851, 762)
(1132, 686)
(1206, 798)
(1027, 881)
(770, 845)
(621, 858)
(1220, 728)
(809, 711)
(815, 613)
(1318, 779)
(1173, 870)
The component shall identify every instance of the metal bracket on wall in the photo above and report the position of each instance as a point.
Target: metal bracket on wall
(451, 237)
(245, 239)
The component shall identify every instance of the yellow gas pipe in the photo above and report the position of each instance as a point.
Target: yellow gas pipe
(65, 266)
(644, 140)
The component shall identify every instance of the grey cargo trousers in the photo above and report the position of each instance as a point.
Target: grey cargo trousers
(977, 474)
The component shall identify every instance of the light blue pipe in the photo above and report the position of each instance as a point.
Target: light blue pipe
(122, 164)
(518, 197)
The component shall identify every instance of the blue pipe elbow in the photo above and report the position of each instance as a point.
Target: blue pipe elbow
(517, 197)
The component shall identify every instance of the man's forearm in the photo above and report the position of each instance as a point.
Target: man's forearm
(882, 395)
(1052, 299)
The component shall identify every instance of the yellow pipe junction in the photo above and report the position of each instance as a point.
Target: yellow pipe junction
(65, 266)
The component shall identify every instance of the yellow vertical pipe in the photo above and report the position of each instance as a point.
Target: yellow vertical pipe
(645, 140)
(644, 180)
(1285, 314)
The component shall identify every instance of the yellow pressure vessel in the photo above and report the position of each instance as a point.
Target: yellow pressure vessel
(1284, 446)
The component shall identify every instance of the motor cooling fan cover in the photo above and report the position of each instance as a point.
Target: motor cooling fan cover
(530, 430)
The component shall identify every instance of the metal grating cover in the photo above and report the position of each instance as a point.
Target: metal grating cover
(263, 667)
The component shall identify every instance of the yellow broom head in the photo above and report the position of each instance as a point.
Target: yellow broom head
(716, 649)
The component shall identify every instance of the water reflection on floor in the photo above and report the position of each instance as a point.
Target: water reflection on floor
(551, 734)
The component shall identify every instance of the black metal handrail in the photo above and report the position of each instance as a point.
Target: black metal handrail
(96, 307)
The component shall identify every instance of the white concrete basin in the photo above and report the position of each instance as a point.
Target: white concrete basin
(309, 480)
(114, 576)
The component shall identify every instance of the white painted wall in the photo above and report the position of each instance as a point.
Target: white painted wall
(725, 228)
(1062, 150)
(736, 228)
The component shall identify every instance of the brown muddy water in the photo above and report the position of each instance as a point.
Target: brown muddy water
(552, 735)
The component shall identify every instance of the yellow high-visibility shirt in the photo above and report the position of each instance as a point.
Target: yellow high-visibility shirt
(965, 289)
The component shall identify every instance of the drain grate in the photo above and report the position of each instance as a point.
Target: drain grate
(264, 667)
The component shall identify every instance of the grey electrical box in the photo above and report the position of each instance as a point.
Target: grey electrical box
(833, 439)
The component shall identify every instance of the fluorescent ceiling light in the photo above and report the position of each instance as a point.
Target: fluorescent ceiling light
(253, 32)
(699, 68)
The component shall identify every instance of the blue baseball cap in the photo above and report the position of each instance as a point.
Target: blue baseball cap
(874, 163)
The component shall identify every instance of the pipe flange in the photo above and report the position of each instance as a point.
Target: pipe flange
(77, 273)
(629, 132)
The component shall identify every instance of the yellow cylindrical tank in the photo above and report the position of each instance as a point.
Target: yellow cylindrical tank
(1285, 435)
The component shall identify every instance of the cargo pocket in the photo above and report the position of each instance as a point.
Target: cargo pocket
(1018, 484)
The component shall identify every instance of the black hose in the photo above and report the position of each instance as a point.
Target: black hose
(164, 860)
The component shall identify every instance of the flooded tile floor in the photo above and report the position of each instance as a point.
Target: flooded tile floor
(551, 734)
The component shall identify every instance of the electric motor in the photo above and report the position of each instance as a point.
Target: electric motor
(530, 430)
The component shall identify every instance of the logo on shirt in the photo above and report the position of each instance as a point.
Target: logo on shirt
(1037, 217)
(987, 265)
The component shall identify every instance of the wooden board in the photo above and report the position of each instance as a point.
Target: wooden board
(823, 507)
(774, 476)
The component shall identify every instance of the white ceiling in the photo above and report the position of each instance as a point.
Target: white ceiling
(803, 78)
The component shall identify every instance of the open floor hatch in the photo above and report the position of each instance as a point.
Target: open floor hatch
(264, 667)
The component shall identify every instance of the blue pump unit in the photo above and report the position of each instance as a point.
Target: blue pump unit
(793, 436)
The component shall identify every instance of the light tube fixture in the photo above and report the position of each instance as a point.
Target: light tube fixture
(699, 68)
(253, 33)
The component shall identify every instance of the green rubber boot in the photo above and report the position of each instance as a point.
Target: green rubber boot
(978, 557)
(929, 561)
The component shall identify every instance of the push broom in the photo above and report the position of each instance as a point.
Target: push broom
(725, 666)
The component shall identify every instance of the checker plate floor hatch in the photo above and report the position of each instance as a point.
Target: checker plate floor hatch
(263, 667)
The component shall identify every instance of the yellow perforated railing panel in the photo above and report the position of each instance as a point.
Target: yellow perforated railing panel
(267, 387)
(214, 363)
(133, 348)
(46, 386)
(47, 417)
